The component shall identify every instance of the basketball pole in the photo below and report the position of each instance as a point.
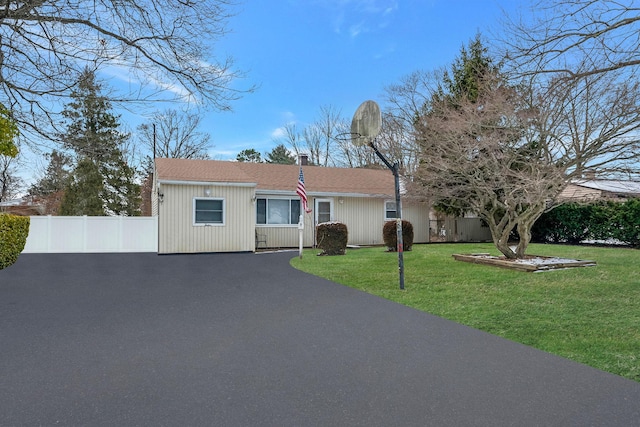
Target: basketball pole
(395, 169)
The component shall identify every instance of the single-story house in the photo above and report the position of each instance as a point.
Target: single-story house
(599, 189)
(226, 206)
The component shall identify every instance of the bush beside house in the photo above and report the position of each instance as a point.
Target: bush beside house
(332, 238)
(390, 235)
(13, 236)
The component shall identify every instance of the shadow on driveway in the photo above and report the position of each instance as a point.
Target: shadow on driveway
(245, 339)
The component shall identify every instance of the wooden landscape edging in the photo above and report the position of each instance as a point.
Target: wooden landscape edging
(504, 263)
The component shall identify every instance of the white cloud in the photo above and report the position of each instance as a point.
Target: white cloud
(131, 83)
(278, 133)
(356, 29)
(367, 13)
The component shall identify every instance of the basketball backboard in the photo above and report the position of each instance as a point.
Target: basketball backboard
(366, 123)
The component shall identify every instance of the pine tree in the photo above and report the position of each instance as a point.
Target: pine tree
(249, 155)
(49, 189)
(281, 155)
(102, 182)
(56, 176)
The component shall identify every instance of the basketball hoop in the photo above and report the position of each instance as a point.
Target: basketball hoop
(365, 127)
(353, 137)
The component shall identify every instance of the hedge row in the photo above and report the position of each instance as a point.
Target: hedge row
(573, 223)
(13, 236)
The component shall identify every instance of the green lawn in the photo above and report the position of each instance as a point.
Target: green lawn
(589, 314)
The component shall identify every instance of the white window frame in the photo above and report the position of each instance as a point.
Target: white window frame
(395, 211)
(209, 224)
(317, 211)
(267, 198)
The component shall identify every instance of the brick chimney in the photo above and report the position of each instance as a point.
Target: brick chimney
(303, 159)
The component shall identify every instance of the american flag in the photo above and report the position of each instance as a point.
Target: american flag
(302, 192)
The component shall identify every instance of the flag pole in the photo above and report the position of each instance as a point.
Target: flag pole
(304, 208)
(300, 234)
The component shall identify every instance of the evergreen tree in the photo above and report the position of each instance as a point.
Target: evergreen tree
(468, 71)
(102, 182)
(249, 155)
(84, 195)
(281, 155)
(49, 189)
(56, 177)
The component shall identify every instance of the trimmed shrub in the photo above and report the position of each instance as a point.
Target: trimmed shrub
(332, 238)
(13, 236)
(390, 235)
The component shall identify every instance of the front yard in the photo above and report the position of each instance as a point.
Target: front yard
(590, 315)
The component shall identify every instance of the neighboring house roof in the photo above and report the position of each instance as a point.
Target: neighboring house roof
(596, 189)
(275, 177)
(24, 206)
(611, 186)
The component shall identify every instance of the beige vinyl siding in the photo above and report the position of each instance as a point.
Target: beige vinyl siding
(418, 215)
(287, 236)
(364, 217)
(178, 234)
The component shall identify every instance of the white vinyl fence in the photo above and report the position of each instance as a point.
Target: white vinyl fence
(92, 234)
(459, 230)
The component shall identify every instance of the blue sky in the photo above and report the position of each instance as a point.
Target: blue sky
(304, 54)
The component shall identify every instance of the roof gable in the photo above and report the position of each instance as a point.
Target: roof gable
(276, 177)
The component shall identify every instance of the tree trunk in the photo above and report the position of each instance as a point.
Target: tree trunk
(500, 232)
(525, 224)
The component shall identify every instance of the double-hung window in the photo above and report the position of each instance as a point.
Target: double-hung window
(389, 210)
(208, 211)
(275, 211)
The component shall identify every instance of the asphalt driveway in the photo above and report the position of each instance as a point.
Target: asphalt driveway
(246, 340)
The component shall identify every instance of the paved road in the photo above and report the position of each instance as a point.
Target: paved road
(246, 340)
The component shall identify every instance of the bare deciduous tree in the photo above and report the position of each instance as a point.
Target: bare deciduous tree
(318, 140)
(173, 134)
(293, 138)
(477, 156)
(320, 137)
(506, 152)
(165, 46)
(575, 38)
(10, 182)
